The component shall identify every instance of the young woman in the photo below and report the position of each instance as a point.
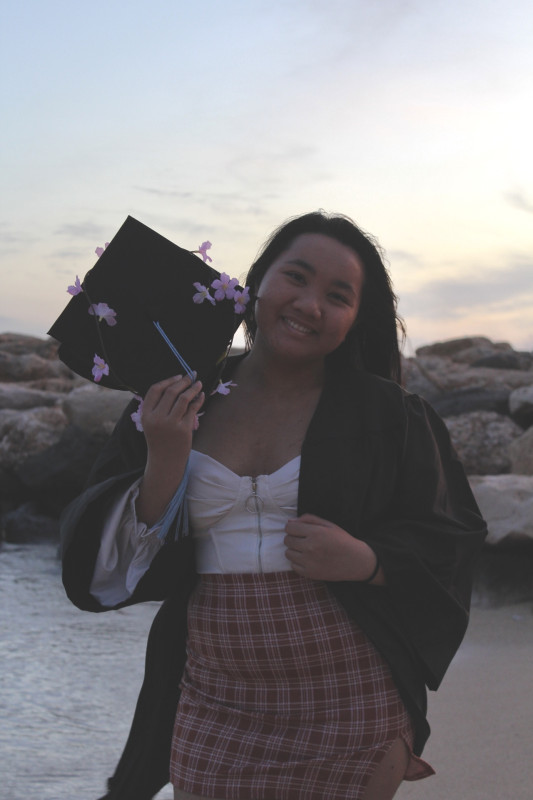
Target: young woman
(326, 577)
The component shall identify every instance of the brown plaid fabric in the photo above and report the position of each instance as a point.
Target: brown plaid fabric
(283, 697)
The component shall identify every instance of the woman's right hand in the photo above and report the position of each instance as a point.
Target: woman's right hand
(168, 418)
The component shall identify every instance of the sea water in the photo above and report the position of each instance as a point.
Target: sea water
(69, 681)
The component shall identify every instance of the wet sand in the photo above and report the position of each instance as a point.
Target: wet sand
(69, 681)
(482, 716)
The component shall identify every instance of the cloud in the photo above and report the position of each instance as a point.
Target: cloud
(519, 200)
(234, 204)
(397, 257)
(81, 230)
(12, 241)
(8, 323)
(70, 255)
(459, 296)
(159, 192)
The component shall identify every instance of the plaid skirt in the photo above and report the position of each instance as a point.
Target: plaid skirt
(283, 696)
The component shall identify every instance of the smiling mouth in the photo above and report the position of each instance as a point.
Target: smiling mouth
(295, 326)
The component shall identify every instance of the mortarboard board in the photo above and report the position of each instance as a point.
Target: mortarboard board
(145, 312)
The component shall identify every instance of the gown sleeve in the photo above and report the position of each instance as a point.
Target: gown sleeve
(83, 522)
(428, 541)
(127, 548)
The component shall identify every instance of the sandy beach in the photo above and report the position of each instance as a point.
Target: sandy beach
(482, 716)
(70, 679)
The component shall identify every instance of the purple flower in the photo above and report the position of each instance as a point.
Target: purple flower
(202, 250)
(202, 294)
(241, 299)
(196, 423)
(225, 287)
(102, 311)
(75, 288)
(100, 368)
(100, 250)
(223, 388)
(137, 415)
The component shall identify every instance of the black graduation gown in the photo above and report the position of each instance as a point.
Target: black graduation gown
(376, 461)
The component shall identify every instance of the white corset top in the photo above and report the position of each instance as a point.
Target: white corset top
(238, 522)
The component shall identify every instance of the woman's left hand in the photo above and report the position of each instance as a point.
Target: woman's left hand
(320, 550)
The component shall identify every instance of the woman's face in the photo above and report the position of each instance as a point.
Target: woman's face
(309, 298)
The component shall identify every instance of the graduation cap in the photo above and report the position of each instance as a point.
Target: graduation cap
(148, 310)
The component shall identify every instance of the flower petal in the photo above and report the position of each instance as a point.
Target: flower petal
(75, 288)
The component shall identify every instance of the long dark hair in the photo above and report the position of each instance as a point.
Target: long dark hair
(373, 343)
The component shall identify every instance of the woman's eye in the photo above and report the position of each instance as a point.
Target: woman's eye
(339, 298)
(296, 276)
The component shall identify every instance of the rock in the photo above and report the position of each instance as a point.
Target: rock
(417, 381)
(521, 405)
(510, 360)
(57, 474)
(29, 367)
(473, 350)
(477, 352)
(463, 401)
(451, 375)
(452, 347)
(482, 440)
(27, 525)
(506, 502)
(503, 576)
(521, 453)
(26, 433)
(15, 396)
(60, 385)
(94, 408)
(19, 344)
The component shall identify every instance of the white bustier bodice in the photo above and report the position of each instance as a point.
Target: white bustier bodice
(238, 522)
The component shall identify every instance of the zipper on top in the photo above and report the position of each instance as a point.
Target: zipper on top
(254, 505)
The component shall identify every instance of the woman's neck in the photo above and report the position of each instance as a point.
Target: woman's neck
(265, 373)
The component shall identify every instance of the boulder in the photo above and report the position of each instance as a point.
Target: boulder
(521, 405)
(451, 375)
(19, 344)
(17, 396)
(95, 409)
(521, 453)
(62, 385)
(417, 381)
(507, 360)
(467, 344)
(462, 401)
(30, 367)
(506, 502)
(482, 440)
(26, 433)
(26, 524)
(57, 474)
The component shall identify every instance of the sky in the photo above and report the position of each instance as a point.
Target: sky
(218, 121)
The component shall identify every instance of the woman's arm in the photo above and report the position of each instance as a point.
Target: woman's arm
(168, 418)
(159, 459)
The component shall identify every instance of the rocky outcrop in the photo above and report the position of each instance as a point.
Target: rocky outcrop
(484, 392)
(53, 424)
(521, 406)
(506, 502)
(521, 453)
(482, 440)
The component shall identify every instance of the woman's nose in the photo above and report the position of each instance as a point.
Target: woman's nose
(310, 303)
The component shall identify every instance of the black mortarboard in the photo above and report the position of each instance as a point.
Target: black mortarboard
(137, 312)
